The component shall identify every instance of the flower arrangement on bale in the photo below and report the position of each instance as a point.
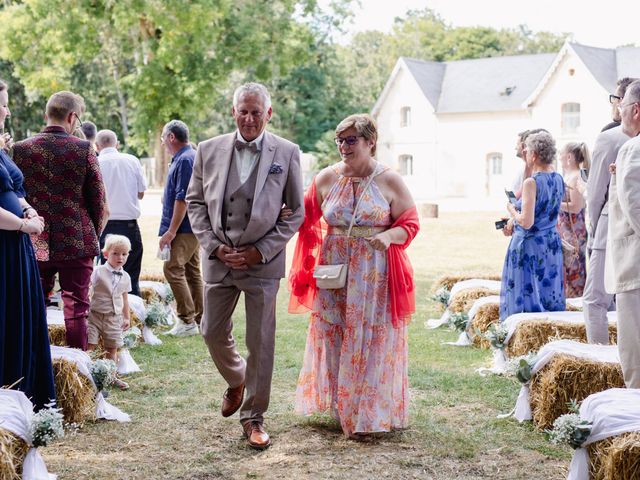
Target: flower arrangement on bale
(520, 367)
(442, 296)
(570, 429)
(169, 297)
(46, 426)
(130, 337)
(459, 321)
(103, 372)
(156, 315)
(496, 335)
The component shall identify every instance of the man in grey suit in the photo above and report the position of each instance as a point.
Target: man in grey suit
(596, 301)
(240, 182)
(622, 272)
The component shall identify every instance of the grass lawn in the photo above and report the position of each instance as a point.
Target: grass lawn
(177, 431)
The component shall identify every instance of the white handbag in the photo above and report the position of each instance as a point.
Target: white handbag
(331, 277)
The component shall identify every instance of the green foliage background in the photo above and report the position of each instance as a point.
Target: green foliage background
(140, 63)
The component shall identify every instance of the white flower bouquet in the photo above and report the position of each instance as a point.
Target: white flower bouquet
(103, 372)
(442, 296)
(459, 321)
(520, 367)
(570, 429)
(496, 334)
(130, 337)
(156, 315)
(46, 426)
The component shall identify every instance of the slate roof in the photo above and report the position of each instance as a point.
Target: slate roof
(506, 83)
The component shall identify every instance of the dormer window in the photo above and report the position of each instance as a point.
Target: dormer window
(570, 121)
(405, 116)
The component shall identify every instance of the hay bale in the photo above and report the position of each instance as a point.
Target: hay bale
(487, 315)
(57, 335)
(134, 320)
(532, 335)
(13, 450)
(615, 458)
(463, 300)
(149, 295)
(153, 277)
(572, 308)
(75, 394)
(564, 379)
(448, 281)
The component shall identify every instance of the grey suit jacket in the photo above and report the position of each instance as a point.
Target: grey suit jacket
(278, 181)
(622, 264)
(604, 154)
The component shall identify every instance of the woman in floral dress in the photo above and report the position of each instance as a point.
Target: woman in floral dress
(571, 223)
(532, 274)
(355, 363)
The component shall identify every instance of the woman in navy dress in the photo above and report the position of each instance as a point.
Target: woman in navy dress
(25, 358)
(532, 278)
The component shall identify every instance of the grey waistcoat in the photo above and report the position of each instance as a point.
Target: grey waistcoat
(238, 200)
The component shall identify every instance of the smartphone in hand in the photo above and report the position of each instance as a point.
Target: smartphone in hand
(500, 224)
(511, 196)
(584, 174)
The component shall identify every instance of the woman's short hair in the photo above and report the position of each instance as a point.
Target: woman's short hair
(114, 241)
(543, 145)
(364, 125)
(580, 152)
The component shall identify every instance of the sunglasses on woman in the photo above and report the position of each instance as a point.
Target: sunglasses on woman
(350, 140)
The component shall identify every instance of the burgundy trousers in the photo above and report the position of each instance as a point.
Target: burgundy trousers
(74, 277)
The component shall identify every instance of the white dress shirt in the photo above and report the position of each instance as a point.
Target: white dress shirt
(245, 158)
(123, 180)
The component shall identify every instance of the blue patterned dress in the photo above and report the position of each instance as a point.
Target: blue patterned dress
(532, 278)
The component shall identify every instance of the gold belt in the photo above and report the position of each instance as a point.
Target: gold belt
(356, 231)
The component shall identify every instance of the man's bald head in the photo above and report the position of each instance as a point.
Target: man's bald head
(106, 139)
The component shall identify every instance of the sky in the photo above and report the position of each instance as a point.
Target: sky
(596, 23)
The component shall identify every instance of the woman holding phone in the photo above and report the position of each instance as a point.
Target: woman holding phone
(532, 279)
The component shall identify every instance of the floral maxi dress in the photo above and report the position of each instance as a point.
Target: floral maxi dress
(355, 362)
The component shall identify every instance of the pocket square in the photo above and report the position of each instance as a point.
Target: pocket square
(275, 168)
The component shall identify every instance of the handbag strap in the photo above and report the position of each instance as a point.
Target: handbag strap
(353, 218)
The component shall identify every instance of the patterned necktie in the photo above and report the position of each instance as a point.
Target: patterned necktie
(252, 147)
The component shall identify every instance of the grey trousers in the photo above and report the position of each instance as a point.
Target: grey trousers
(595, 300)
(260, 306)
(628, 307)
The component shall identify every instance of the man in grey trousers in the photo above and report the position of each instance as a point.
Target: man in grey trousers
(596, 301)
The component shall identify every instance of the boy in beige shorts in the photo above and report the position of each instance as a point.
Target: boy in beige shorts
(109, 309)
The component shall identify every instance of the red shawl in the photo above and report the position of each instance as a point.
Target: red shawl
(307, 252)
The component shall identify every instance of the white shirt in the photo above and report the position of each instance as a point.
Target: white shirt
(123, 180)
(115, 279)
(245, 158)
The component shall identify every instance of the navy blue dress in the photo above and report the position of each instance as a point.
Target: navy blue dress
(532, 278)
(25, 356)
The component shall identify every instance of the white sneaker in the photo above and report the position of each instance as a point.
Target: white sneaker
(182, 329)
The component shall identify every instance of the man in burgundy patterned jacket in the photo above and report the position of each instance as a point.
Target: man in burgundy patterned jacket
(63, 183)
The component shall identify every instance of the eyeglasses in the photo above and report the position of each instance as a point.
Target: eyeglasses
(350, 140)
(78, 118)
(622, 105)
(614, 98)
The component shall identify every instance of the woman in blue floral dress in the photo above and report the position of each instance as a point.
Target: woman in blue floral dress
(532, 278)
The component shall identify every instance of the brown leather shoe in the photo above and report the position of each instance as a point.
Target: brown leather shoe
(256, 435)
(231, 400)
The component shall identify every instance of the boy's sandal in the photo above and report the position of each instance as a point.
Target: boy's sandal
(121, 384)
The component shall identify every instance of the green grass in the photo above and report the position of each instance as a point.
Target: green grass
(178, 433)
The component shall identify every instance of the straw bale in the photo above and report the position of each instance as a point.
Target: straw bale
(532, 335)
(134, 320)
(75, 394)
(486, 315)
(57, 335)
(153, 277)
(13, 450)
(149, 295)
(615, 458)
(566, 378)
(448, 281)
(463, 300)
(572, 308)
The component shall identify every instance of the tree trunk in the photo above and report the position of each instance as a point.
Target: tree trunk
(162, 159)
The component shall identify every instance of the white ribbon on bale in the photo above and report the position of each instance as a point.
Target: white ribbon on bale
(82, 361)
(126, 363)
(16, 415)
(465, 338)
(611, 413)
(597, 353)
(55, 316)
(139, 308)
(493, 285)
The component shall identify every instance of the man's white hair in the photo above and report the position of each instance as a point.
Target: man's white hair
(252, 88)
